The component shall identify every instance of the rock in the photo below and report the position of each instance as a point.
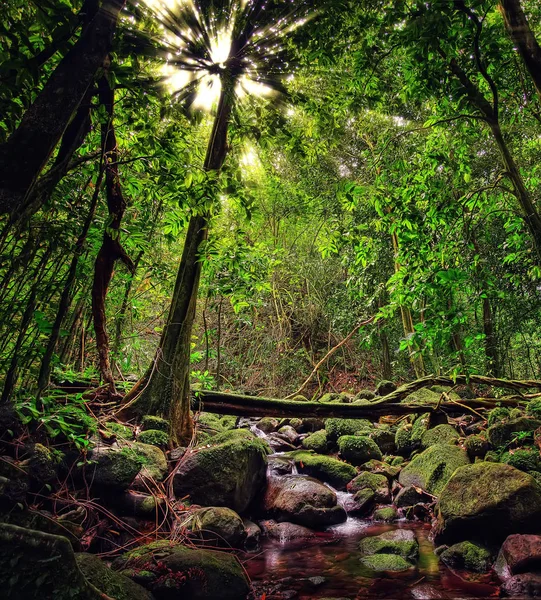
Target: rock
(476, 446)
(425, 591)
(469, 556)
(156, 423)
(109, 582)
(112, 467)
(501, 434)
(289, 433)
(229, 473)
(327, 469)
(329, 397)
(500, 413)
(358, 449)
(379, 484)
(385, 387)
(518, 554)
(296, 424)
(361, 503)
(138, 504)
(253, 533)
(386, 562)
(218, 525)
(377, 466)
(410, 495)
(525, 459)
(433, 468)
(310, 424)
(533, 408)
(525, 585)
(286, 532)
(154, 437)
(384, 439)
(317, 442)
(408, 437)
(268, 424)
(387, 514)
(42, 464)
(401, 542)
(336, 428)
(278, 465)
(172, 570)
(441, 434)
(365, 395)
(152, 458)
(279, 443)
(302, 500)
(488, 501)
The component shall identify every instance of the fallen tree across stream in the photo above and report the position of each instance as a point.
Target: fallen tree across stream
(254, 406)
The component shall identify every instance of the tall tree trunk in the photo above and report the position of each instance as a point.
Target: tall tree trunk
(24, 155)
(523, 37)
(111, 249)
(166, 385)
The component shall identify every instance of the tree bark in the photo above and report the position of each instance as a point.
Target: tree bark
(24, 155)
(523, 37)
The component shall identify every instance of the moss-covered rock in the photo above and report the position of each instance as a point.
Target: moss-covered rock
(151, 422)
(431, 469)
(154, 437)
(385, 387)
(498, 414)
(296, 424)
(379, 484)
(268, 424)
(525, 459)
(112, 584)
(358, 449)
(337, 428)
(365, 395)
(469, 556)
(533, 408)
(441, 434)
(382, 468)
(154, 463)
(330, 470)
(384, 439)
(387, 514)
(503, 433)
(476, 446)
(171, 570)
(329, 397)
(42, 464)
(423, 396)
(112, 467)
(408, 436)
(386, 562)
(218, 525)
(316, 441)
(488, 501)
(362, 503)
(401, 542)
(228, 473)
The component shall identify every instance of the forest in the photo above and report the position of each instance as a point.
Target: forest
(270, 299)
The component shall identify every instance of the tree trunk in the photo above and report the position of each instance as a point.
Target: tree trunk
(24, 155)
(523, 37)
(111, 249)
(166, 386)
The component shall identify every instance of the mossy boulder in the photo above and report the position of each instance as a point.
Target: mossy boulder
(119, 430)
(228, 473)
(156, 423)
(386, 562)
(423, 396)
(112, 467)
(408, 436)
(382, 468)
(387, 514)
(400, 542)
(525, 459)
(268, 424)
(361, 504)
(330, 470)
(385, 387)
(498, 414)
(488, 501)
(218, 525)
(379, 484)
(476, 446)
(329, 397)
(441, 434)
(213, 424)
(42, 464)
(316, 441)
(358, 449)
(503, 433)
(336, 428)
(469, 556)
(433, 468)
(365, 395)
(154, 437)
(533, 408)
(112, 584)
(384, 439)
(171, 570)
(152, 459)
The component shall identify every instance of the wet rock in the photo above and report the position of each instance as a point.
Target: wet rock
(441, 434)
(469, 556)
(386, 562)
(154, 463)
(358, 449)
(228, 473)
(268, 424)
(310, 424)
(519, 554)
(361, 504)
(316, 441)
(302, 500)
(330, 470)
(378, 484)
(401, 542)
(488, 501)
(112, 467)
(410, 495)
(138, 504)
(279, 465)
(387, 514)
(433, 468)
(279, 443)
(377, 466)
(289, 433)
(525, 585)
(172, 570)
(218, 525)
(425, 591)
(286, 532)
(253, 534)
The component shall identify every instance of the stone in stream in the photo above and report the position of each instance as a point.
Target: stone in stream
(302, 500)
(469, 556)
(386, 562)
(519, 554)
(410, 496)
(218, 525)
(361, 504)
(487, 501)
(387, 514)
(358, 449)
(433, 468)
(228, 473)
(286, 532)
(325, 468)
(171, 570)
(316, 441)
(253, 533)
(378, 484)
(525, 585)
(401, 542)
(336, 428)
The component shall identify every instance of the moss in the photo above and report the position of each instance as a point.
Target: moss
(296, 424)
(114, 469)
(325, 468)
(387, 514)
(329, 397)
(154, 461)
(506, 432)
(497, 414)
(476, 446)
(533, 408)
(202, 437)
(467, 555)
(219, 525)
(299, 398)
(268, 424)
(441, 434)
(377, 466)
(385, 387)
(120, 430)
(402, 439)
(396, 460)
(236, 434)
(379, 484)
(154, 437)
(336, 428)
(151, 422)
(394, 542)
(423, 396)
(384, 439)
(316, 441)
(525, 459)
(492, 456)
(365, 395)
(358, 449)
(43, 463)
(385, 562)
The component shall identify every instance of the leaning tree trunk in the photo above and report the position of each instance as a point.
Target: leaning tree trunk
(165, 389)
(24, 155)
(111, 249)
(524, 39)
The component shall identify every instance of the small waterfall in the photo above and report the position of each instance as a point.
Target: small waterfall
(258, 433)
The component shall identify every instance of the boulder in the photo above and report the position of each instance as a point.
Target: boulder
(518, 554)
(156, 423)
(441, 434)
(525, 459)
(487, 501)
(152, 458)
(228, 473)
(218, 525)
(502, 433)
(302, 500)
(289, 433)
(433, 468)
(316, 441)
(378, 484)
(401, 542)
(358, 449)
(112, 467)
(330, 470)
(361, 504)
(476, 446)
(268, 424)
(377, 466)
(410, 495)
(253, 533)
(286, 532)
(469, 556)
(154, 437)
(336, 428)
(525, 585)
(387, 514)
(386, 562)
(385, 387)
(384, 439)
(171, 570)
(138, 504)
